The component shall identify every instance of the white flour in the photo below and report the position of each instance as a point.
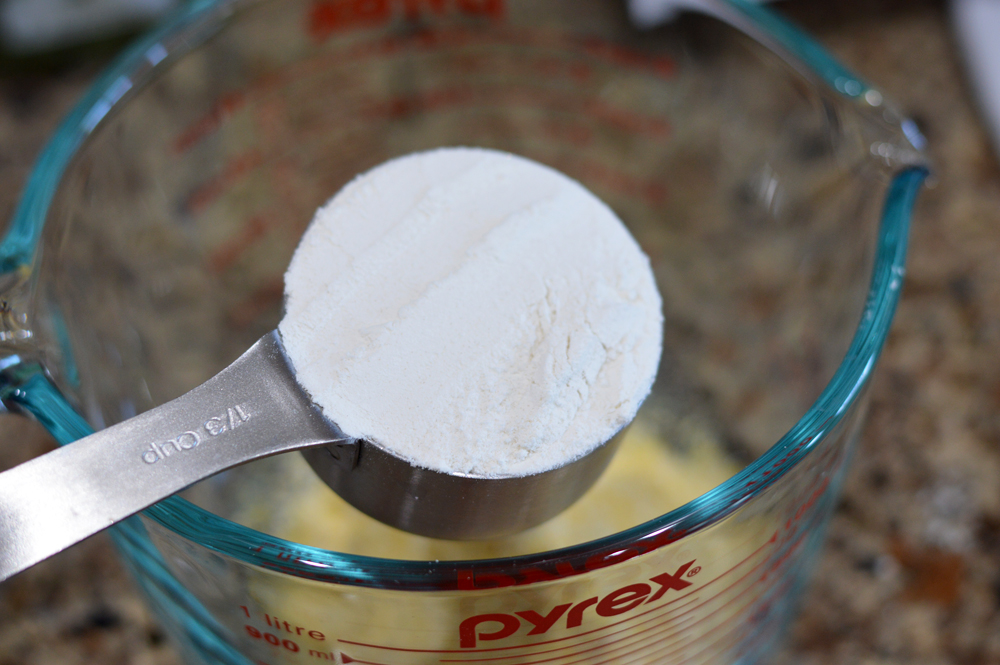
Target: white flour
(474, 312)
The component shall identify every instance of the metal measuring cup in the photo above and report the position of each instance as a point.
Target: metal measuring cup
(255, 408)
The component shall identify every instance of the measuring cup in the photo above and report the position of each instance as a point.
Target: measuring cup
(770, 188)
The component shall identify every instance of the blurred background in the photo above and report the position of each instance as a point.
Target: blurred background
(911, 571)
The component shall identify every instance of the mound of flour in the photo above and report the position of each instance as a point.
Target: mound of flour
(474, 312)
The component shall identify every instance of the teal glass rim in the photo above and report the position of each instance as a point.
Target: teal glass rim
(190, 27)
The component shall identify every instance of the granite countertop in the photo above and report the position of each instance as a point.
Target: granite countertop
(911, 570)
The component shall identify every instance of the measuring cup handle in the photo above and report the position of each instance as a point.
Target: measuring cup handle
(252, 409)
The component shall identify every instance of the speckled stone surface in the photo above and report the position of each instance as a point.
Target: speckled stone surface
(911, 571)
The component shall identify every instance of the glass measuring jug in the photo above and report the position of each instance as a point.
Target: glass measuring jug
(771, 189)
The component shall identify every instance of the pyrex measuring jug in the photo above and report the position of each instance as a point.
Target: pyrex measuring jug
(771, 189)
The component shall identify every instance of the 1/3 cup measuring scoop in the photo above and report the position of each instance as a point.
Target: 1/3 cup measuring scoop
(465, 333)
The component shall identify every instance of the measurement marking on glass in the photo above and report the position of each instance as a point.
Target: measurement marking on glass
(473, 97)
(771, 541)
(753, 585)
(617, 658)
(524, 97)
(738, 626)
(658, 613)
(694, 639)
(348, 659)
(728, 639)
(428, 41)
(232, 172)
(601, 652)
(758, 636)
(659, 608)
(678, 629)
(210, 122)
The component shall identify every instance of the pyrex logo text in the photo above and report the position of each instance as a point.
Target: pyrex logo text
(498, 626)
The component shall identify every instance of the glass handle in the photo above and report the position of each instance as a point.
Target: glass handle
(252, 409)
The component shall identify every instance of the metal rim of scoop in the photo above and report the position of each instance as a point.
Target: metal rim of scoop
(453, 506)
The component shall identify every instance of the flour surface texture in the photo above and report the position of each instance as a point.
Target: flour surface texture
(473, 312)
